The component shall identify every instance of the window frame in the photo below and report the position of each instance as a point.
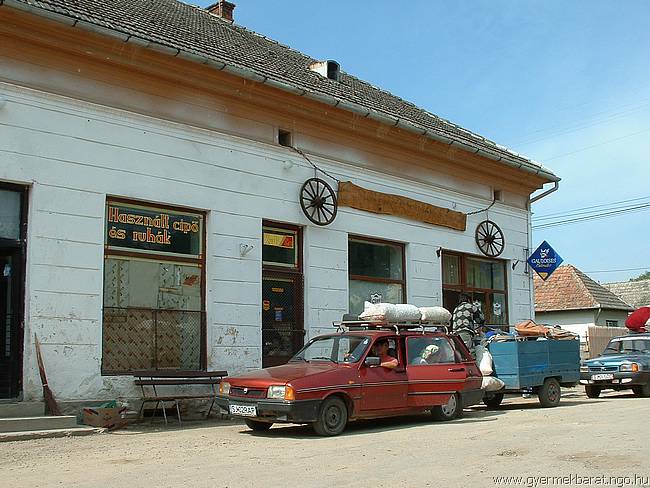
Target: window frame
(463, 287)
(452, 346)
(278, 267)
(200, 261)
(374, 279)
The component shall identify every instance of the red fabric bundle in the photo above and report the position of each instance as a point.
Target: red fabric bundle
(638, 320)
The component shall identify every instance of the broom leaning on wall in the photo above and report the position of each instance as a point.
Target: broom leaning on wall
(48, 396)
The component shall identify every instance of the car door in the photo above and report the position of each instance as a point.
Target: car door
(432, 381)
(383, 390)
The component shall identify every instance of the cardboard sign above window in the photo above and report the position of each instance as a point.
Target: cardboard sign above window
(279, 240)
(351, 195)
(153, 230)
(280, 247)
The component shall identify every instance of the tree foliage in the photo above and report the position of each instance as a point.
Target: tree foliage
(642, 276)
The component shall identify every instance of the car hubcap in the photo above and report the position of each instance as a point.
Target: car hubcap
(553, 393)
(450, 407)
(332, 417)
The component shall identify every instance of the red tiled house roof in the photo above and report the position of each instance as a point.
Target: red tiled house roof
(568, 288)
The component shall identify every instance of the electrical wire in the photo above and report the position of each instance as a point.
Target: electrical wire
(597, 145)
(316, 168)
(635, 209)
(550, 133)
(618, 270)
(566, 213)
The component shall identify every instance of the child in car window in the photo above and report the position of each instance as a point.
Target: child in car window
(429, 355)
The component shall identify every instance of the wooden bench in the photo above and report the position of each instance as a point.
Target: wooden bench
(152, 379)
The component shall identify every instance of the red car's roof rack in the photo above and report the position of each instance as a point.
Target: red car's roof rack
(419, 325)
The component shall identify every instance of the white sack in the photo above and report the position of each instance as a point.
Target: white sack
(492, 383)
(436, 315)
(389, 312)
(484, 360)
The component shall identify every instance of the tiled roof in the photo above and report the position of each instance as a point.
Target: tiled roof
(568, 288)
(193, 32)
(635, 293)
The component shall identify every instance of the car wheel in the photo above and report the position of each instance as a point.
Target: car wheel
(493, 401)
(549, 394)
(332, 417)
(450, 410)
(258, 426)
(592, 391)
(642, 390)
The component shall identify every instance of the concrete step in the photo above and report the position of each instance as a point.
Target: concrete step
(43, 434)
(22, 409)
(21, 424)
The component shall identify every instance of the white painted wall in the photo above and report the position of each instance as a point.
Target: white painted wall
(74, 154)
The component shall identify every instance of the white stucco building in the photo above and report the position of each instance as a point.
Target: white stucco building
(149, 198)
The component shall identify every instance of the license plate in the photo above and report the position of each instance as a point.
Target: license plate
(602, 377)
(243, 410)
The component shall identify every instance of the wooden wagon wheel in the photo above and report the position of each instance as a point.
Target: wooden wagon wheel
(318, 201)
(489, 238)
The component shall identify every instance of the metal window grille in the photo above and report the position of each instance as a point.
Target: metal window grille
(139, 338)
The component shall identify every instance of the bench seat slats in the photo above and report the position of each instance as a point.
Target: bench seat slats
(178, 374)
(163, 382)
(174, 397)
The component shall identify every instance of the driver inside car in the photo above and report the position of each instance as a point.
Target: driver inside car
(380, 350)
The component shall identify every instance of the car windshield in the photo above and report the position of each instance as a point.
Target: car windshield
(335, 349)
(628, 346)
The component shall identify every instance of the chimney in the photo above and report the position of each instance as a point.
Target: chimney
(222, 9)
(329, 69)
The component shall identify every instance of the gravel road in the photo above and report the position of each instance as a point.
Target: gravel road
(606, 437)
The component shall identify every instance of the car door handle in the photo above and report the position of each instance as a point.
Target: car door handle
(456, 370)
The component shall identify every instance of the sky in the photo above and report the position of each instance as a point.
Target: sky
(566, 83)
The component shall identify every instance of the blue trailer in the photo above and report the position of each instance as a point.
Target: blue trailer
(539, 366)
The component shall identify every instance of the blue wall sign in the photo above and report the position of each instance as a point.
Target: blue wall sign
(544, 260)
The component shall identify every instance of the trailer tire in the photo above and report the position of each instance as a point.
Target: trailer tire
(550, 393)
(493, 401)
(592, 391)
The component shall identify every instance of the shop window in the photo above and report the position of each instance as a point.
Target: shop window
(376, 272)
(153, 314)
(482, 279)
(280, 247)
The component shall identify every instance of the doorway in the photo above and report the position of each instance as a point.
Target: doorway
(283, 331)
(12, 252)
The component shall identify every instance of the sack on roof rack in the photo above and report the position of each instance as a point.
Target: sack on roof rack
(390, 312)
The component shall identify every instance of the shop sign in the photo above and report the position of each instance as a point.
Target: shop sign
(544, 260)
(153, 230)
(279, 240)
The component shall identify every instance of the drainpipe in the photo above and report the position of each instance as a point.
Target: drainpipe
(556, 185)
(531, 296)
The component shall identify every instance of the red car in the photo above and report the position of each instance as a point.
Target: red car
(337, 377)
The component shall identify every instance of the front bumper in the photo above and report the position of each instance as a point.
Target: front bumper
(626, 379)
(268, 410)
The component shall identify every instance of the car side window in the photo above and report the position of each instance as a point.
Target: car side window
(350, 349)
(422, 351)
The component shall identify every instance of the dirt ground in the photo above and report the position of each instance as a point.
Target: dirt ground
(606, 438)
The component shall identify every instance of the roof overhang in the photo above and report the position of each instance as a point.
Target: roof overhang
(515, 160)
